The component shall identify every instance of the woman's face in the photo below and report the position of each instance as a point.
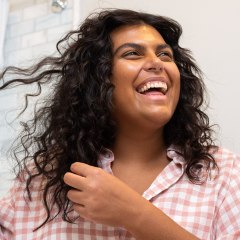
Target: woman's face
(145, 76)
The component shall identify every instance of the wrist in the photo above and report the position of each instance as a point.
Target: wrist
(148, 222)
(135, 216)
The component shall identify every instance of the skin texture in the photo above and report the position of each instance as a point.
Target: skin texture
(92, 201)
(98, 197)
(140, 54)
(134, 65)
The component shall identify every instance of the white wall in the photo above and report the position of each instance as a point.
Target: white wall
(32, 32)
(211, 30)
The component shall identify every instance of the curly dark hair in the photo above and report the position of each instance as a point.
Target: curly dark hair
(75, 123)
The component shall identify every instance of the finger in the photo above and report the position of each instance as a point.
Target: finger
(75, 180)
(76, 196)
(82, 169)
(80, 209)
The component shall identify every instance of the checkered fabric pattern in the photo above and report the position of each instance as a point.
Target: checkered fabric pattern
(211, 211)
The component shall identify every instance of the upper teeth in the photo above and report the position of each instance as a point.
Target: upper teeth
(149, 85)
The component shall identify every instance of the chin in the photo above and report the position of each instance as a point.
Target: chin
(159, 120)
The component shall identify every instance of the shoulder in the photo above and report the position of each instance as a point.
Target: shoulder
(226, 160)
(227, 183)
(17, 206)
(19, 195)
(228, 169)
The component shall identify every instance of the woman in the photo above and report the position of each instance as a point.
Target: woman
(121, 149)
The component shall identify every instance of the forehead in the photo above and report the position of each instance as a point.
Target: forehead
(140, 34)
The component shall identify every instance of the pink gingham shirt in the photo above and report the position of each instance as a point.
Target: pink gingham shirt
(209, 211)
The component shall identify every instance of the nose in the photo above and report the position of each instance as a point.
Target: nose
(153, 64)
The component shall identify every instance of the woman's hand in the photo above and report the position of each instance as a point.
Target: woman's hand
(100, 197)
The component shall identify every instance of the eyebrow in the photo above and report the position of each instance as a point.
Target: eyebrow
(140, 47)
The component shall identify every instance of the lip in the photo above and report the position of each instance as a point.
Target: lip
(153, 97)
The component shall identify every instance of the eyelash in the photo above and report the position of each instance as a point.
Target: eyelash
(131, 53)
(136, 53)
(167, 54)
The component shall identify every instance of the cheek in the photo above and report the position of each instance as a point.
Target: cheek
(179, 82)
(175, 77)
(125, 73)
(176, 73)
(177, 88)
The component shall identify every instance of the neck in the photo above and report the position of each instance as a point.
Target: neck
(139, 147)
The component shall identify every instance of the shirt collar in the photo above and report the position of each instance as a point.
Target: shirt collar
(175, 153)
(107, 157)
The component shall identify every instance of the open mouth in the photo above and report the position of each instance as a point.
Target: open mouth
(153, 88)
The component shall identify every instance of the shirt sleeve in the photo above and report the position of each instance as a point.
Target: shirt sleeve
(7, 215)
(228, 217)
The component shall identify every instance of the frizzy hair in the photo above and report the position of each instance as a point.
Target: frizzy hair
(75, 123)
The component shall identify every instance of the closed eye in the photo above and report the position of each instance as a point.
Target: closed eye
(166, 56)
(131, 54)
